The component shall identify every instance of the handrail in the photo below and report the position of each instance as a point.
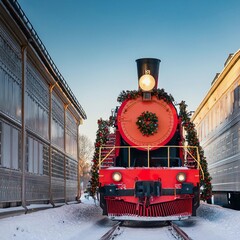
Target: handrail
(198, 161)
(148, 148)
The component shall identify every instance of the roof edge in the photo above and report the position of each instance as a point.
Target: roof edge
(229, 63)
(21, 19)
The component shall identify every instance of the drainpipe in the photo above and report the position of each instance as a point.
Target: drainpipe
(50, 144)
(65, 150)
(23, 136)
(78, 159)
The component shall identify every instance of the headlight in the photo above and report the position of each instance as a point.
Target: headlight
(181, 177)
(146, 82)
(117, 176)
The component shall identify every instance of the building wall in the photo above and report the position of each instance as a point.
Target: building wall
(218, 125)
(43, 130)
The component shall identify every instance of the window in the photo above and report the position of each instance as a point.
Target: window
(9, 146)
(34, 156)
(236, 98)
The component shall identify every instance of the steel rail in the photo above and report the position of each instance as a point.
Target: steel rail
(110, 234)
(177, 232)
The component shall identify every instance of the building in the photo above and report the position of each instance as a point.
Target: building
(39, 118)
(217, 120)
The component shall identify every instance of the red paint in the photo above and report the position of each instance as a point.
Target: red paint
(130, 110)
(167, 176)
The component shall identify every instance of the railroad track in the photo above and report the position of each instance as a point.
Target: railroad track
(112, 232)
(176, 232)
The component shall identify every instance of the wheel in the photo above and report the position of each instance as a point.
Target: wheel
(235, 200)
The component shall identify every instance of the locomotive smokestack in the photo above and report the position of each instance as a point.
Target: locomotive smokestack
(148, 66)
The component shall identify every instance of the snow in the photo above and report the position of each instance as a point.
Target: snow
(66, 222)
(85, 221)
(221, 223)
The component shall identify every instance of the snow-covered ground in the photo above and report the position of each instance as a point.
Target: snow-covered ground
(84, 221)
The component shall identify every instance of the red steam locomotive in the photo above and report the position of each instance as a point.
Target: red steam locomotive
(146, 172)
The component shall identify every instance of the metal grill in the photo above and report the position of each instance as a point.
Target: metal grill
(171, 208)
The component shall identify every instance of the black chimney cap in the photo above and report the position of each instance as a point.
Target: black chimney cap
(148, 64)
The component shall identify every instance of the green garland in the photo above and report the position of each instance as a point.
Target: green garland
(147, 123)
(159, 93)
(101, 139)
(192, 139)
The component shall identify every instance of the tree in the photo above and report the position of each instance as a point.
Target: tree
(86, 149)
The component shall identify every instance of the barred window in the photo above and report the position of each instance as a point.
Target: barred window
(236, 101)
(71, 135)
(35, 153)
(71, 169)
(57, 121)
(37, 102)
(10, 94)
(10, 145)
(57, 164)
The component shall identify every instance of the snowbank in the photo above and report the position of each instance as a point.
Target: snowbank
(85, 221)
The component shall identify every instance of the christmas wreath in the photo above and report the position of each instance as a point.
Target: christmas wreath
(147, 123)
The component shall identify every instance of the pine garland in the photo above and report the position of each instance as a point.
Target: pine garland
(101, 139)
(192, 139)
(159, 93)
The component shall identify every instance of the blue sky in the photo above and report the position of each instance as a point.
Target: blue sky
(95, 43)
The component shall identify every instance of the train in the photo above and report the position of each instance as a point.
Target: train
(217, 120)
(146, 170)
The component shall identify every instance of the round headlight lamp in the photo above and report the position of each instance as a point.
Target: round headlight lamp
(117, 176)
(146, 82)
(181, 177)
